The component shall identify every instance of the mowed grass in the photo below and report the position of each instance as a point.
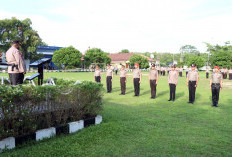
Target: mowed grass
(140, 126)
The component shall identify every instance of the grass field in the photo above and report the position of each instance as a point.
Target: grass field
(140, 126)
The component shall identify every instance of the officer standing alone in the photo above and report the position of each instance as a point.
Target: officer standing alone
(97, 74)
(123, 79)
(192, 81)
(16, 64)
(109, 79)
(215, 85)
(172, 82)
(137, 78)
(153, 80)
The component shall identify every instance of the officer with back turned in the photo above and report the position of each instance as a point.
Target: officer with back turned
(153, 80)
(16, 64)
(215, 85)
(123, 79)
(192, 81)
(137, 78)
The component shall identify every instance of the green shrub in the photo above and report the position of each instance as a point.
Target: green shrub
(25, 109)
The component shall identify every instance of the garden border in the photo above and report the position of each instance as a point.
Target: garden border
(72, 127)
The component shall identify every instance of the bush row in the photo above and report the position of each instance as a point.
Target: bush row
(25, 109)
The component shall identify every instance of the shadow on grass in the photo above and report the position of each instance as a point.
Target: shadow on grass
(159, 94)
(179, 95)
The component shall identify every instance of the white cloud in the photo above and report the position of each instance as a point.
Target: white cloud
(137, 25)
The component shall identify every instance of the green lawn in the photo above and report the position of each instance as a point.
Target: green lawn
(140, 126)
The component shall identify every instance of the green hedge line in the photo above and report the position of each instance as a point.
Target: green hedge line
(25, 109)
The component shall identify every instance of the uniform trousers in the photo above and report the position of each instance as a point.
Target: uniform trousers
(215, 93)
(207, 75)
(192, 90)
(153, 88)
(230, 76)
(172, 91)
(123, 85)
(136, 86)
(186, 74)
(16, 78)
(109, 83)
(180, 74)
(97, 78)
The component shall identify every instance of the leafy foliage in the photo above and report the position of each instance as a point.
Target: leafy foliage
(197, 60)
(14, 29)
(189, 49)
(96, 55)
(124, 51)
(24, 109)
(143, 61)
(220, 55)
(68, 57)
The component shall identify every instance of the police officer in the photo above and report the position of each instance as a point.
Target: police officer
(215, 85)
(137, 78)
(153, 80)
(123, 79)
(16, 64)
(109, 79)
(192, 81)
(230, 73)
(97, 74)
(172, 82)
(207, 72)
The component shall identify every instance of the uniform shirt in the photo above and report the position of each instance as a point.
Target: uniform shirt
(153, 74)
(13, 56)
(173, 77)
(109, 72)
(136, 73)
(193, 75)
(181, 69)
(207, 70)
(123, 73)
(216, 77)
(230, 71)
(97, 73)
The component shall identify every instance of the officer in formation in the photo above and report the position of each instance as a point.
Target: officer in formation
(230, 73)
(153, 80)
(172, 82)
(207, 72)
(123, 79)
(109, 79)
(215, 85)
(137, 78)
(16, 64)
(97, 74)
(192, 81)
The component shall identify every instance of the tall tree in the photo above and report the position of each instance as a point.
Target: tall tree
(197, 60)
(188, 49)
(124, 51)
(137, 58)
(220, 55)
(68, 57)
(15, 29)
(96, 55)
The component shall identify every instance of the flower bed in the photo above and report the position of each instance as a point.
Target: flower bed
(26, 109)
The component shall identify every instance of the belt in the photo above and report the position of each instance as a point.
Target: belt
(215, 83)
(192, 81)
(13, 66)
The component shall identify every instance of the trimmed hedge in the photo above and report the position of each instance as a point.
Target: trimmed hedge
(25, 109)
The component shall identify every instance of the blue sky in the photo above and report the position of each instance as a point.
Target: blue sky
(137, 25)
